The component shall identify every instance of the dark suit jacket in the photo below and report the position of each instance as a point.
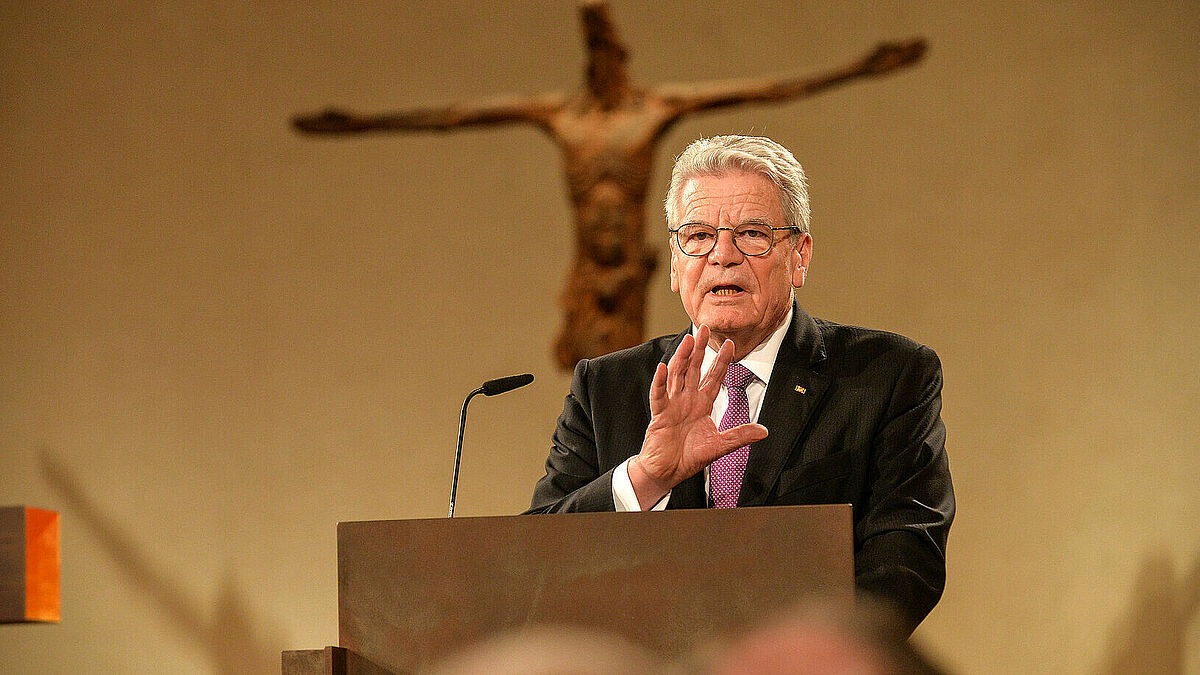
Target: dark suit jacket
(854, 416)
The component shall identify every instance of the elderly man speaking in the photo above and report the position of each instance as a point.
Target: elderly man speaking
(758, 403)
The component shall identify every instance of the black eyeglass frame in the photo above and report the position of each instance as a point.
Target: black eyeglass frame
(732, 233)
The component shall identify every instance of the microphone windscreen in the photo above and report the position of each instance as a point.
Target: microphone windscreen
(503, 384)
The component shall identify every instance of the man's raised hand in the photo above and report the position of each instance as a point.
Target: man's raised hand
(682, 438)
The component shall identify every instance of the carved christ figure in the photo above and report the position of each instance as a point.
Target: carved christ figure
(607, 133)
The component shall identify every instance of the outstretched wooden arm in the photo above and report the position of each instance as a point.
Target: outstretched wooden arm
(534, 109)
(688, 98)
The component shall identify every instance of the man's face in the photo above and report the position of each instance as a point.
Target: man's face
(739, 297)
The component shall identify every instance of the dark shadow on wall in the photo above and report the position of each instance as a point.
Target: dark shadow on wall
(1152, 635)
(234, 641)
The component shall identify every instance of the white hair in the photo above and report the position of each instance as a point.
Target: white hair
(752, 154)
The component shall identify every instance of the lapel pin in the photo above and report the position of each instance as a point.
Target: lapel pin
(800, 389)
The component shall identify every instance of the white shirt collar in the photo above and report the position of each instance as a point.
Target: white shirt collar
(760, 360)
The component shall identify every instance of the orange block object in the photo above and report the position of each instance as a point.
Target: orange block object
(29, 565)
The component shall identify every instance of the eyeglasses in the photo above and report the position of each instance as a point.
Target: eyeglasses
(752, 239)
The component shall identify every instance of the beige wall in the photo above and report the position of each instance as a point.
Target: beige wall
(217, 338)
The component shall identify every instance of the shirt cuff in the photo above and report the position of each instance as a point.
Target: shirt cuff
(624, 498)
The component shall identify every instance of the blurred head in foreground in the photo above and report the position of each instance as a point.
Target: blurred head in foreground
(816, 639)
(823, 640)
(547, 650)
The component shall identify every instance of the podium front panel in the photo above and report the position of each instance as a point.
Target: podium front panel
(413, 591)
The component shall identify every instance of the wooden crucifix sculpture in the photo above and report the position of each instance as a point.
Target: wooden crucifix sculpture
(607, 132)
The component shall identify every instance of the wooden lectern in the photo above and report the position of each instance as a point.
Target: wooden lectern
(411, 592)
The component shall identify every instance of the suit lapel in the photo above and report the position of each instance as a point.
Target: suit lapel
(792, 396)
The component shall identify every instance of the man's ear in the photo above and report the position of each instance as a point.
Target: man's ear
(803, 255)
(674, 279)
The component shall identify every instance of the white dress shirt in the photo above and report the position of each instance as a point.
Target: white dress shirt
(760, 361)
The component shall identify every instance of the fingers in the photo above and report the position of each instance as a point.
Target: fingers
(716, 373)
(693, 370)
(658, 390)
(684, 367)
(728, 441)
(744, 434)
(677, 366)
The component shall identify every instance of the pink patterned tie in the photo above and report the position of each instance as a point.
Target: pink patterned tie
(725, 474)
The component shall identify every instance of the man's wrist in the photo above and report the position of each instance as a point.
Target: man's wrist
(648, 491)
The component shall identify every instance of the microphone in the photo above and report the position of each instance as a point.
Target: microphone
(503, 384)
(489, 388)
